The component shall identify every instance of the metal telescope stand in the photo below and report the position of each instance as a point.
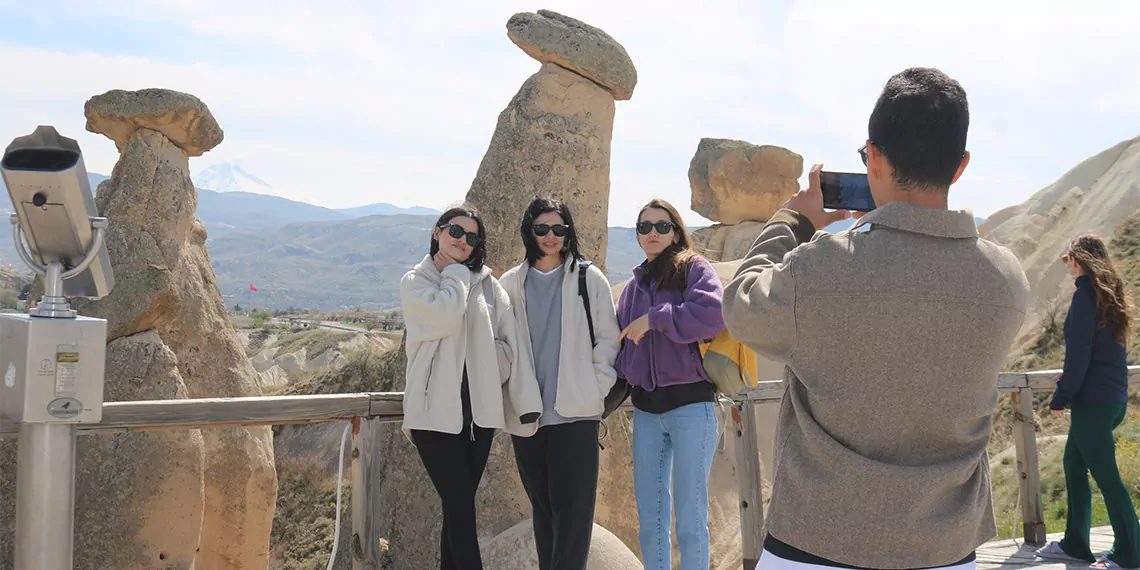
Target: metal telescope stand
(45, 478)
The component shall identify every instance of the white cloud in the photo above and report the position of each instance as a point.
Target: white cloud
(355, 102)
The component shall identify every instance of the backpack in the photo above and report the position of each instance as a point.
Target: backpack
(730, 365)
(620, 390)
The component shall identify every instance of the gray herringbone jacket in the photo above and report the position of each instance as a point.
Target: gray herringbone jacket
(893, 334)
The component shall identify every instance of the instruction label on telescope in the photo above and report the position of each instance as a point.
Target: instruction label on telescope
(64, 408)
(66, 370)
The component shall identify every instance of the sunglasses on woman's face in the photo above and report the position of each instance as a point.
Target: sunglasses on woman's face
(1064, 258)
(541, 230)
(456, 231)
(662, 228)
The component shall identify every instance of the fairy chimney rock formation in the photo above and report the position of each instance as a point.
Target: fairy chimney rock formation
(553, 138)
(733, 181)
(178, 498)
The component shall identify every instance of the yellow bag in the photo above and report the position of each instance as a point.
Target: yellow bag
(730, 364)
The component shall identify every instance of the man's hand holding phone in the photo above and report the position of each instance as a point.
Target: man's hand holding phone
(809, 202)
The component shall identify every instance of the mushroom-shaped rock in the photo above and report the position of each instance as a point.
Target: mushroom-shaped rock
(551, 37)
(181, 117)
(733, 181)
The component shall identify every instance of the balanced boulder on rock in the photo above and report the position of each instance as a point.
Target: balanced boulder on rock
(180, 117)
(551, 37)
(733, 181)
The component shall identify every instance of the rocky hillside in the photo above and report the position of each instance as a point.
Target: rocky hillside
(1095, 195)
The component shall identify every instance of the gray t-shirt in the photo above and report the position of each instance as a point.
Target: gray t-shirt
(544, 317)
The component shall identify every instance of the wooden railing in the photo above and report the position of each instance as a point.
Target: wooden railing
(387, 407)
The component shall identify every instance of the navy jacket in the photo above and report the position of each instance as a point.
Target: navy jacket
(1096, 366)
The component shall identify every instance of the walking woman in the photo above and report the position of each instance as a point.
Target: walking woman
(573, 368)
(672, 302)
(462, 377)
(1094, 384)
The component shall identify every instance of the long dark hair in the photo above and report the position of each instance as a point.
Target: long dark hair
(1112, 301)
(479, 252)
(668, 271)
(537, 208)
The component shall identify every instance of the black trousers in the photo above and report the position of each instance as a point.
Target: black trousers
(455, 464)
(559, 470)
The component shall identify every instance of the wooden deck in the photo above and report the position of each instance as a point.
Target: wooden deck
(1014, 554)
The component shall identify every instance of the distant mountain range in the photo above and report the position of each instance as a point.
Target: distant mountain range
(308, 256)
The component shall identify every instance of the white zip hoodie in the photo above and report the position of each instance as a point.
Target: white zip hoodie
(585, 373)
(448, 322)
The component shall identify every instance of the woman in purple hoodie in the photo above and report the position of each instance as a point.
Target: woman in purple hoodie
(672, 302)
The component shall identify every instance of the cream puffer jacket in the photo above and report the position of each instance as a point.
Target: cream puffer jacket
(448, 323)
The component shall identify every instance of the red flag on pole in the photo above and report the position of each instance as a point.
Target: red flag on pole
(252, 288)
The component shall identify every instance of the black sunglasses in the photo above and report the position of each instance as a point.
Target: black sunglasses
(662, 228)
(863, 151)
(456, 231)
(541, 230)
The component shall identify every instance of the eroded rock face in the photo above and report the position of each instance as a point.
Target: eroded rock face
(551, 37)
(553, 138)
(720, 242)
(180, 117)
(733, 181)
(166, 298)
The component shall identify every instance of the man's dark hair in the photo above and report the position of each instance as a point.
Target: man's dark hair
(479, 252)
(537, 208)
(920, 123)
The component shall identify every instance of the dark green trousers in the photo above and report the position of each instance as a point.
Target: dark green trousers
(1091, 449)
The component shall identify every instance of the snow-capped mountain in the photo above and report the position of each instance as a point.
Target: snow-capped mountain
(229, 177)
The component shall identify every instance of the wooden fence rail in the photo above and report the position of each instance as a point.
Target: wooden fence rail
(379, 407)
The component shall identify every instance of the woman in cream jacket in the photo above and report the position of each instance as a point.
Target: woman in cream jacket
(557, 457)
(463, 381)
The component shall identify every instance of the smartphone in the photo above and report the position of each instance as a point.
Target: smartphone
(846, 191)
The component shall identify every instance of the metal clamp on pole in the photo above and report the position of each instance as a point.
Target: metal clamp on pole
(52, 358)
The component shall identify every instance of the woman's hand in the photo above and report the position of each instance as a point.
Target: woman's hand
(442, 260)
(636, 330)
(1057, 413)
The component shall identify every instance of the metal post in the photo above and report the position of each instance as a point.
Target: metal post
(45, 496)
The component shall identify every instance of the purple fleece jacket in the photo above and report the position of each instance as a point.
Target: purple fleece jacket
(668, 354)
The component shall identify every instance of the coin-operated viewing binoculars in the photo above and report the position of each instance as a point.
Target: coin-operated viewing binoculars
(51, 358)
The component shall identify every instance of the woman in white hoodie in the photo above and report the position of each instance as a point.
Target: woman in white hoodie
(462, 377)
(574, 369)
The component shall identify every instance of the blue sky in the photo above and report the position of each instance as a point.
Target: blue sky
(345, 103)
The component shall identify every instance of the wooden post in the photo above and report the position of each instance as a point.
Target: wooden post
(365, 548)
(358, 485)
(750, 479)
(1025, 441)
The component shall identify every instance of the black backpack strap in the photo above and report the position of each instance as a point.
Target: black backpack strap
(583, 267)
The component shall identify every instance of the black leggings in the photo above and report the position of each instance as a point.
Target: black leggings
(455, 464)
(559, 470)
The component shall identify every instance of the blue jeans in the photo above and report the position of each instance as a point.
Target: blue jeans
(679, 446)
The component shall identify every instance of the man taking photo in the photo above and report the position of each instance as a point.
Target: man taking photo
(893, 334)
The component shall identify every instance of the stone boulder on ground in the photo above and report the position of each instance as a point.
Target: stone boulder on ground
(514, 548)
(553, 138)
(733, 181)
(166, 309)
